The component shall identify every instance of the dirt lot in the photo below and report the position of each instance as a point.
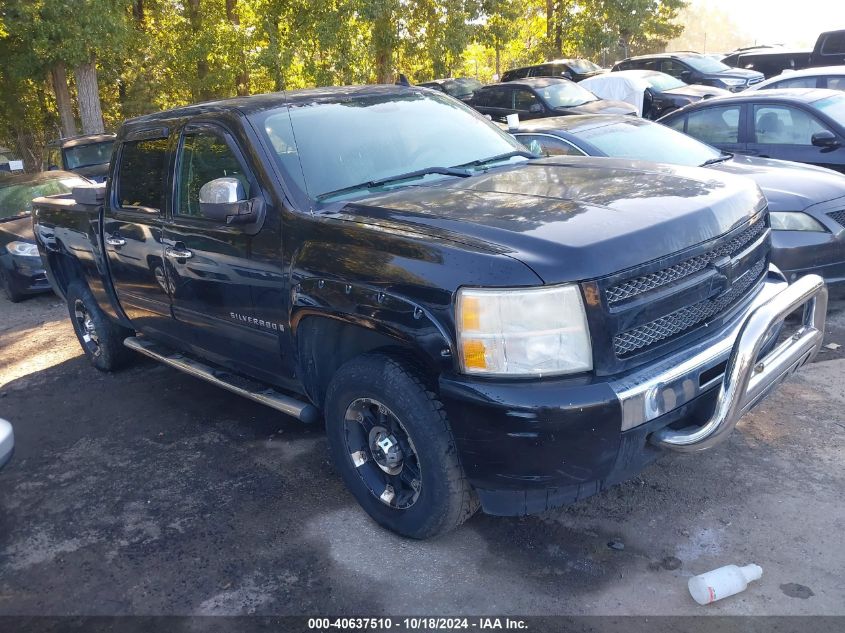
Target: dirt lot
(150, 492)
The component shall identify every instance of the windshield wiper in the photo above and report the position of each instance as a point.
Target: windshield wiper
(719, 159)
(419, 173)
(498, 157)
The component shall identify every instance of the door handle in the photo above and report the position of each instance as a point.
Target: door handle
(115, 241)
(178, 253)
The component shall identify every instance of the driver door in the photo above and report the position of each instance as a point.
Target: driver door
(211, 272)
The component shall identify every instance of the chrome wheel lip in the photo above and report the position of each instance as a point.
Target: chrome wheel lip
(86, 328)
(379, 477)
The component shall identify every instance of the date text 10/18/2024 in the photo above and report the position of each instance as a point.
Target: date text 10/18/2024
(417, 623)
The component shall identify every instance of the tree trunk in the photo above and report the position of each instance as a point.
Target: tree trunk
(498, 62)
(88, 95)
(242, 76)
(202, 92)
(59, 77)
(383, 44)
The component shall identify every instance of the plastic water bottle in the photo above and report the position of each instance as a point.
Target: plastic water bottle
(723, 582)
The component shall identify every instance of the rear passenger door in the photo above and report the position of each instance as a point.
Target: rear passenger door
(213, 275)
(132, 225)
(498, 103)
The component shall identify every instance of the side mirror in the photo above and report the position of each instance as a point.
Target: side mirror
(825, 138)
(224, 200)
(686, 75)
(536, 108)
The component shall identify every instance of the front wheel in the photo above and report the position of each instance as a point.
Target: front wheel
(101, 339)
(12, 294)
(390, 439)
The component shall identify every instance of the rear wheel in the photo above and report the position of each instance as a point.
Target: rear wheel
(101, 339)
(391, 442)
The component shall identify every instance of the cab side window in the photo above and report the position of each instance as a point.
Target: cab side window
(715, 125)
(205, 156)
(523, 100)
(674, 68)
(140, 175)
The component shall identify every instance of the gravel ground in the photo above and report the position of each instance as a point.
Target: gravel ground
(150, 492)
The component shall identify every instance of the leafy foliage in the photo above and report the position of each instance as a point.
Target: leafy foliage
(154, 54)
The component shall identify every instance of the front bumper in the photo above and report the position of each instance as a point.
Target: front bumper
(799, 253)
(26, 274)
(531, 445)
(7, 442)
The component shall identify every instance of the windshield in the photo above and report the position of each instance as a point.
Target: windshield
(581, 65)
(87, 155)
(643, 140)
(834, 107)
(462, 87)
(16, 199)
(361, 139)
(565, 94)
(706, 64)
(662, 81)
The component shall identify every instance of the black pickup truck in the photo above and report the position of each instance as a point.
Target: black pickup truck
(475, 325)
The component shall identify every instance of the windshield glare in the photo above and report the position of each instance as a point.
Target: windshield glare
(461, 87)
(706, 64)
(833, 106)
(643, 140)
(87, 155)
(662, 81)
(16, 199)
(566, 94)
(373, 137)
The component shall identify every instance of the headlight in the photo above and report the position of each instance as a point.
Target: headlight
(523, 332)
(26, 249)
(794, 221)
(733, 82)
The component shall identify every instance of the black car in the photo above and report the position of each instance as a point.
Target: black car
(807, 126)
(460, 87)
(542, 97)
(829, 49)
(806, 203)
(572, 69)
(693, 68)
(21, 272)
(87, 155)
(769, 61)
(660, 93)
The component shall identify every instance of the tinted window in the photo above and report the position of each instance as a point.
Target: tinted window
(715, 125)
(88, 155)
(795, 82)
(677, 123)
(370, 137)
(565, 94)
(835, 83)
(834, 44)
(140, 178)
(498, 98)
(672, 67)
(523, 100)
(204, 157)
(784, 125)
(548, 146)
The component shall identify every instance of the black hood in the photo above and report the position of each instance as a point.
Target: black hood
(599, 106)
(571, 218)
(787, 186)
(697, 91)
(17, 229)
(739, 73)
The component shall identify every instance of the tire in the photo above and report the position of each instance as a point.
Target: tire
(391, 391)
(8, 289)
(101, 338)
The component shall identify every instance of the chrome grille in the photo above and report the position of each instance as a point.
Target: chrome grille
(838, 216)
(686, 318)
(633, 287)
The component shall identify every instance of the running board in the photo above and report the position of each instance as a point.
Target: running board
(245, 387)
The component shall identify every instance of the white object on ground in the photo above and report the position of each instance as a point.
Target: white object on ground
(723, 582)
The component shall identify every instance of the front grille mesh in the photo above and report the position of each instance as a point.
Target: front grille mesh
(686, 318)
(838, 216)
(633, 287)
